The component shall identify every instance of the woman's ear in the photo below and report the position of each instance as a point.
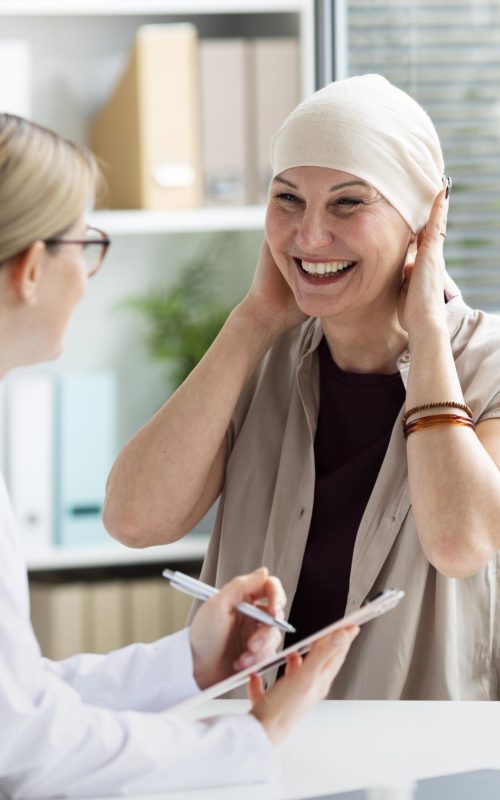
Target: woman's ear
(26, 271)
(411, 252)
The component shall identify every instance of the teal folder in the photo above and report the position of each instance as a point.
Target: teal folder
(85, 447)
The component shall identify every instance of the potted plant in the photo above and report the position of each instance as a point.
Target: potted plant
(184, 319)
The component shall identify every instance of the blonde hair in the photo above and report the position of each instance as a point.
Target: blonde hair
(46, 182)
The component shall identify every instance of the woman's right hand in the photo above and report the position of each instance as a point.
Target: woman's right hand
(270, 300)
(305, 683)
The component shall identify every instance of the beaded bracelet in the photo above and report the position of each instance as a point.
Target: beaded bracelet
(443, 404)
(436, 419)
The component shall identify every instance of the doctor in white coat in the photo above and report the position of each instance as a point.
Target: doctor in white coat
(92, 724)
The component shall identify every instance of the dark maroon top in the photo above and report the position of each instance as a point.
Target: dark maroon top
(356, 416)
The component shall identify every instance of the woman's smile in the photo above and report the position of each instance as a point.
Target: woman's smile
(326, 271)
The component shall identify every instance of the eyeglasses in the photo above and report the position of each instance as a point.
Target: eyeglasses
(94, 247)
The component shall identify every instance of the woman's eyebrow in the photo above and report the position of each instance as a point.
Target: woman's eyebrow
(331, 189)
(348, 183)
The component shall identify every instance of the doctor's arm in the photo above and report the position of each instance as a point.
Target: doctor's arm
(153, 677)
(60, 745)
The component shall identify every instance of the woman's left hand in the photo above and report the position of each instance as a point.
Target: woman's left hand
(223, 640)
(422, 292)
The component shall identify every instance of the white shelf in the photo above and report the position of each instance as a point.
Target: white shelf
(191, 548)
(143, 7)
(182, 221)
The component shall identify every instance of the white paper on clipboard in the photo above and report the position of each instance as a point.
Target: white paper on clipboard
(384, 601)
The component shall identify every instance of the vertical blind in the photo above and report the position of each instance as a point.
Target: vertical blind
(446, 54)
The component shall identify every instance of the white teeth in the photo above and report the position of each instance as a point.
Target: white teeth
(325, 268)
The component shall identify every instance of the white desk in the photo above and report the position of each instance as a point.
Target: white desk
(353, 744)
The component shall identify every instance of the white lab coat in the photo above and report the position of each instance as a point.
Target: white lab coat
(90, 725)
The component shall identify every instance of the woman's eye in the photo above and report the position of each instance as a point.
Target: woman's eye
(287, 197)
(348, 201)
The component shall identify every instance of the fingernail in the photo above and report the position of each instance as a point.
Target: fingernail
(247, 660)
(256, 645)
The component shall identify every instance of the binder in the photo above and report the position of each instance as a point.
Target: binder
(248, 87)
(105, 615)
(149, 131)
(181, 608)
(225, 115)
(148, 616)
(29, 460)
(276, 89)
(58, 618)
(85, 412)
(3, 429)
(15, 77)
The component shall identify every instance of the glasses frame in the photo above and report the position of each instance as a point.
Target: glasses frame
(103, 240)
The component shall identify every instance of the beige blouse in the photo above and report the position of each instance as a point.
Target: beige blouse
(443, 640)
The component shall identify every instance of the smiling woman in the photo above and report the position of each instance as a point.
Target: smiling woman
(349, 412)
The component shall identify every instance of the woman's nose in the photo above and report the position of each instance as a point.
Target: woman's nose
(313, 232)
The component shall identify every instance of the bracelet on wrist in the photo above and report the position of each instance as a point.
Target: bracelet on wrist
(440, 404)
(430, 420)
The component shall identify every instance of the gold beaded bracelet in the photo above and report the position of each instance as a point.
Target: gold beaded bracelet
(436, 419)
(442, 404)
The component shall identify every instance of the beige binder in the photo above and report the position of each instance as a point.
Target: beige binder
(58, 618)
(225, 116)
(105, 615)
(276, 88)
(149, 130)
(145, 612)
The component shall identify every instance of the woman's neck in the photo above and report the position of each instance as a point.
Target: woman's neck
(370, 345)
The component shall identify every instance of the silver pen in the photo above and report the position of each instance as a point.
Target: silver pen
(202, 591)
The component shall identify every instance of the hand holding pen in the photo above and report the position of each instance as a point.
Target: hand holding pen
(222, 641)
(203, 591)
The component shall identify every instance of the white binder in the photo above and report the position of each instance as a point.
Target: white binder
(15, 77)
(29, 461)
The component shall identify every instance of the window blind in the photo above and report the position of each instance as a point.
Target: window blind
(446, 54)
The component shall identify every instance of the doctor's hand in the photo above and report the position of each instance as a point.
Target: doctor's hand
(306, 681)
(223, 640)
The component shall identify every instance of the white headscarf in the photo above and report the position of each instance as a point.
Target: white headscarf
(373, 130)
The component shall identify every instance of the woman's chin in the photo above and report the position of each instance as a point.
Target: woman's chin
(319, 307)
(50, 352)
(56, 352)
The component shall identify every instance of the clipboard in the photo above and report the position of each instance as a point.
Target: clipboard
(375, 607)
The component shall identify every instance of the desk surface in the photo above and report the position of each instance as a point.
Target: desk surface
(344, 745)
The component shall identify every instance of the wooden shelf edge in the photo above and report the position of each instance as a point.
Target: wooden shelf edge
(67, 8)
(185, 221)
(192, 547)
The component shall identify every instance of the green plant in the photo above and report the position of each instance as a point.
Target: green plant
(184, 319)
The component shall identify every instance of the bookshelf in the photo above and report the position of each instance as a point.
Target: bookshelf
(79, 47)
